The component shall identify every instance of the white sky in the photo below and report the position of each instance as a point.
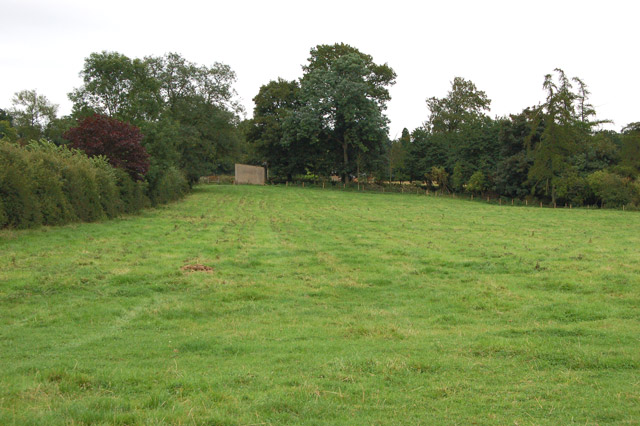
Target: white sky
(504, 47)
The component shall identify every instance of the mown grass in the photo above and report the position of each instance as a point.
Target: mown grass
(324, 307)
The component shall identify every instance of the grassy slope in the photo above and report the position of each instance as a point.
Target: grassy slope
(324, 308)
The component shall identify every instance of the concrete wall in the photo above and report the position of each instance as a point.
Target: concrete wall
(253, 175)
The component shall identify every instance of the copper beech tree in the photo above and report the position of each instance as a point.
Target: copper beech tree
(118, 141)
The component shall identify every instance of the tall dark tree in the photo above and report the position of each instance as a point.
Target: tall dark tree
(630, 150)
(398, 151)
(274, 103)
(343, 96)
(427, 150)
(564, 128)
(515, 159)
(208, 139)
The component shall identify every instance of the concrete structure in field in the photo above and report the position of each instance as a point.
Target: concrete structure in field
(253, 175)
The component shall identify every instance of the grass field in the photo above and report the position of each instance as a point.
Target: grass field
(324, 307)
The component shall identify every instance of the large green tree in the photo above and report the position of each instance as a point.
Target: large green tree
(457, 135)
(398, 150)
(274, 103)
(117, 86)
(187, 111)
(32, 113)
(464, 104)
(343, 96)
(514, 159)
(566, 118)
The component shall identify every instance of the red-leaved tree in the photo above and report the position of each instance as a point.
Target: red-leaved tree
(116, 140)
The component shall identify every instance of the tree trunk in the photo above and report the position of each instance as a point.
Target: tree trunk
(345, 176)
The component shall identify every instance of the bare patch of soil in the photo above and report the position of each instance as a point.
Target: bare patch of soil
(197, 268)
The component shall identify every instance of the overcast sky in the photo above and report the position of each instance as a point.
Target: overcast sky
(504, 47)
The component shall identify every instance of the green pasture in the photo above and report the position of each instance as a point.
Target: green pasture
(323, 307)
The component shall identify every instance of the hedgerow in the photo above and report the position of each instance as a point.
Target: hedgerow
(45, 184)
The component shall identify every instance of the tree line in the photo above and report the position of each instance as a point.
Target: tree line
(332, 122)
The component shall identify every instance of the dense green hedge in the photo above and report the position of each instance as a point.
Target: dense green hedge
(45, 184)
(166, 185)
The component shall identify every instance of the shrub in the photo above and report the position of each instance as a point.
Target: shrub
(170, 185)
(573, 189)
(82, 189)
(439, 177)
(478, 182)
(21, 207)
(118, 141)
(108, 191)
(66, 173)
(44, 171)
(611, 189)
(457, 178)
(132, 193)
(47, 184)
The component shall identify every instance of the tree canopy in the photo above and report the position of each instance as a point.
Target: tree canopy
(187, 112)
(464, 104)
(32, 113)
(343, 95)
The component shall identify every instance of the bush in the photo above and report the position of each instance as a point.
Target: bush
(457, 178)
(439, 177)
(611, 189)
(45, 184)
(44, 170)
(573, 189)
(108, 190)
(82, 190)
(118, 141)
(477, 183)
(132, 193)
(170, 185)
(21, 209)
(66, 173)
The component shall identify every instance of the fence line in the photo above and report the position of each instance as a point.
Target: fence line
(422, 191)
